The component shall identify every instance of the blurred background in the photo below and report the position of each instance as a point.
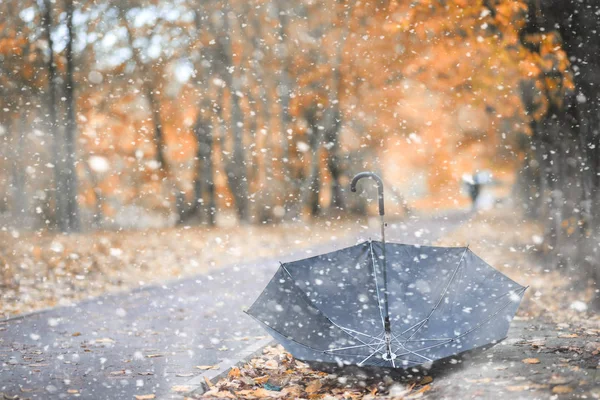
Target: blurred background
(144, 114)
(137, 114)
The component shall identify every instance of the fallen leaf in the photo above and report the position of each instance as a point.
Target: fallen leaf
(261, 379)
(75, 334)
(208, 382)
(531, 361)
(154, 355)
(184, 375)
(481, 380)
(517, 388)
(426, 380)
(291, 392)
(568, 336)
(117, 373)
(222, 394)
(234, 373)
(259, 393)
(72, 391)
(271, 364)
(104, 340)
(144, 396)
(562, 389)
(181, 388)
(313, 387)
(206, 367)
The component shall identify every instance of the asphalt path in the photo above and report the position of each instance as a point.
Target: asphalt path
(151, 340)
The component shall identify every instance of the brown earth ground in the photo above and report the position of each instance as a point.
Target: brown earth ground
(552, 352)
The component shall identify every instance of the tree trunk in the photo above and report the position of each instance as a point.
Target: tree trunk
(203, 205)
(19, 195)
(236, 164)
(72, 206)
(309, 191)
(335, 122)
(52, 125)
(159, 141)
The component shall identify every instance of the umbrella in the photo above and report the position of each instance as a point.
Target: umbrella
(387, 304)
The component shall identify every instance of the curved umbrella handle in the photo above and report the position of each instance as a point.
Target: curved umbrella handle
(377, 179)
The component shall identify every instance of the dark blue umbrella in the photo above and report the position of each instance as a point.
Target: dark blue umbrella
(387, 304)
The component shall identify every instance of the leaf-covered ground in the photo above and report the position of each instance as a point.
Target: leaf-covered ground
(553, 350)
(45, 270)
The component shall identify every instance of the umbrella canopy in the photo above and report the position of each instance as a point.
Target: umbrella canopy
(390, 305)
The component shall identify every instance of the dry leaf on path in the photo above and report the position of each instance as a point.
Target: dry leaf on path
(568, 336)
(261, 379)
(181, 388)
(517, 388)
(531, 361)
(426, 380)
(562, 389)
(234, 373)
(313, 387)
(144, 396)
(206, 367)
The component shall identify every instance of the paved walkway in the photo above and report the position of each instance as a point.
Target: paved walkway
(537, 361)
(152, 339)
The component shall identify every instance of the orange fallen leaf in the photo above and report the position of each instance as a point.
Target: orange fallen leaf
(569, 336)
(261, 379)
(234, 373)
(426, 380)
(144, 396)
(531, 361)
(562, 389)
(421, 391)
(313, 387)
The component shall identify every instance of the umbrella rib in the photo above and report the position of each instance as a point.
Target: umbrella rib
(422, 323)
(304, 297)
(355, 338)
(285, 336)
(475, 327)
(376, 284)
(353, 347)
(371, 355)
(356, 355)
(411, 351)
(493, 315)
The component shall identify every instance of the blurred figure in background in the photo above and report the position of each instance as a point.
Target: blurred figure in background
(474, 184)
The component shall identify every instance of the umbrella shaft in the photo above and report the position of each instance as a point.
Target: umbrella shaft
(385, 288)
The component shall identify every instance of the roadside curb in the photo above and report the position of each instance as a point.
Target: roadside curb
(199, 382)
